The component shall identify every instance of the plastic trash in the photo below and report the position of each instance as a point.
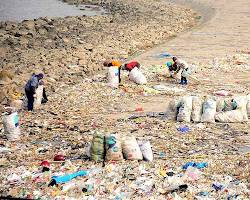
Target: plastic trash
(200, 165)
(248, 106)
(65, 178)
(183, 129)
(217, 186)
(192, 173)
(222, 93)
(59, 157)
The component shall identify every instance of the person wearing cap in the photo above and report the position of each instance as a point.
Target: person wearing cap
(30, 89)
(171, 69)
(182, 65)
(131, 65)
(114, 63)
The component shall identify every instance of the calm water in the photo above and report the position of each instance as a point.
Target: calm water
(18, 10)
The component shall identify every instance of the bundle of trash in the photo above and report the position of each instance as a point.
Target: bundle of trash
(114, 148)
(210, 109)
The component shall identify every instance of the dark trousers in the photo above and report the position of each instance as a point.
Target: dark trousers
(30, 98)
(184, 80)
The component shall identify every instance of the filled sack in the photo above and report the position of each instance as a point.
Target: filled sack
(196, 109)
(113, 77)
(184, 109)
(248, 106)
(146, 150)
(39, 97)
(113, 147)
(97, 148)
(137, 76)
(208, 111)
(131, 149)
(172, 110)
(229, 116)
(225, 104)
(11, 126)
(240, 103)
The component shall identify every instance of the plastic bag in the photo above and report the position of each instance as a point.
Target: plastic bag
(137, 76)
(131, 149)
(113, 147)
(196, 109)
(113, 77)
(208, 111)
(248, 105)
(11, 126)
(39, 97)
(146, 150)
(184, 109)
(229, 116)
(241, 102)
(97, 148)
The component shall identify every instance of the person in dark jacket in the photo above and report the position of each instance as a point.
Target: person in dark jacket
(30, 89)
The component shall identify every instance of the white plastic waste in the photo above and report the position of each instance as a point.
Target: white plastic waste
(137, 76)
(146, 150)
(11, 126)
(113, 147)
(113, 77)
(185, 109)
(208, 111)
(39, 97)
(197, 109)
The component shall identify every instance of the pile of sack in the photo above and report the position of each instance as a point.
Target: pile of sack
(197, 109)
(114, 148)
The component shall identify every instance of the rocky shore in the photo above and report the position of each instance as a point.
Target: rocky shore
(69, 48)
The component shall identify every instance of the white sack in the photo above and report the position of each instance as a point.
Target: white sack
(113, 77)
(208, 111)
(11, 126)
(146, 150)
(196, 109)
(137, 76)
(184, 109)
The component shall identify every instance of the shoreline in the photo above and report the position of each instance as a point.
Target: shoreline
(53, 46)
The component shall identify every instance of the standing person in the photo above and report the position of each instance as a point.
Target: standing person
(131, 65)
(114, 63)
(30, 89)
(182, 65)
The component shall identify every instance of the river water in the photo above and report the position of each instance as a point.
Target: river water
(19, 10)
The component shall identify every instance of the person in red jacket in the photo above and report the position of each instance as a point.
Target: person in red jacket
(131, 65)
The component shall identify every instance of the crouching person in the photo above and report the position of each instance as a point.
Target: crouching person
(30, 90)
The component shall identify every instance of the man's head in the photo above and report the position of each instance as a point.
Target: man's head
(106, 63)
(40, 76)
(174, 59)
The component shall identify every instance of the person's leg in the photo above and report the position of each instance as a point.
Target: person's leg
(30, 100)
(185, 81)
(182, 80)
(119, 74)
